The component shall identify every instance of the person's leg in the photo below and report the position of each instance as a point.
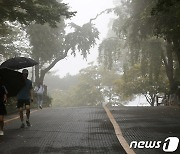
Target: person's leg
(3, 112)
(21, 114)
(28, 115)
(20, 107)
(28, 111)
(38, 100)
(1, 122)
(21, 117)
(41, 100)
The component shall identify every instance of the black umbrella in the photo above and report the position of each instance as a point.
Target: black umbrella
(18, 63)
(13, 81)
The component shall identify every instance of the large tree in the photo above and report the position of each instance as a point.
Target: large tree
(50, 45)
(15, 15)
(143, 29)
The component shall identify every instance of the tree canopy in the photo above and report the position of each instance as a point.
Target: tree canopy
(148, 37)
(43, 25)
(38, 11)
(15, 15)
(50, 45)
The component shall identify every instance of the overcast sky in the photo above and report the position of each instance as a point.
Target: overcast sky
(86, 9)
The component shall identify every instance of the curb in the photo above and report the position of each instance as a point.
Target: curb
(118, 132)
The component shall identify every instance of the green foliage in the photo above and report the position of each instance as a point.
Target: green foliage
(54, 82)
(15, 15)
(88, 89)
(148, 33)
(167, 25)
(85, 92)
(93, 86)
(134, 83)
(50, 45)
(82, 38)
(40, 11)
(109, 51)
(45, 31)
(13, 40)
(46, 42)
(167, 15)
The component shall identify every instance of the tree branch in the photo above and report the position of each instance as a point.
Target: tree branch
(107, 10)
(44, 71)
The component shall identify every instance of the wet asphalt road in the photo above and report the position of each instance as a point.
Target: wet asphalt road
(64, 131)
(88, 130)
(148, 124)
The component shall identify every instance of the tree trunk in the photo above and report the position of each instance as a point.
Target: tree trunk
(37, 71)
(168, 62)
(150, 98)
(41, 74)
(178, 56)
(153, 96)
(177, 49)
(37, 74)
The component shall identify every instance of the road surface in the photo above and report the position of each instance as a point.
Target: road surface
(62, 130)
(81, 130)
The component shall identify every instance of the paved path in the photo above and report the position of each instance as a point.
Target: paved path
(148, 124)
(89, 130)
(64, 131)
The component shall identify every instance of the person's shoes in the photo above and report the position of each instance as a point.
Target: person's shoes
(40, 106)
(22, 125)
(28, 123)
(1, 133)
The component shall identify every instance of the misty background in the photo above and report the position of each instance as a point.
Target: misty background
(93, 52)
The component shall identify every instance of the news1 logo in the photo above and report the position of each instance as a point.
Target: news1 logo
(169, 145)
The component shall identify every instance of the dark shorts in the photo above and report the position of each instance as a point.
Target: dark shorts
(22, 102)
(3, 109)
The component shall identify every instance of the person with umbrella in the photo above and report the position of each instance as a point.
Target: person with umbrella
(24, 97)
(3, 99)
(10, 83)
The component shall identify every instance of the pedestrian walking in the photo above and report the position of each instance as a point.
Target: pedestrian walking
(3, 100)
(39, 90)
(25, 97)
